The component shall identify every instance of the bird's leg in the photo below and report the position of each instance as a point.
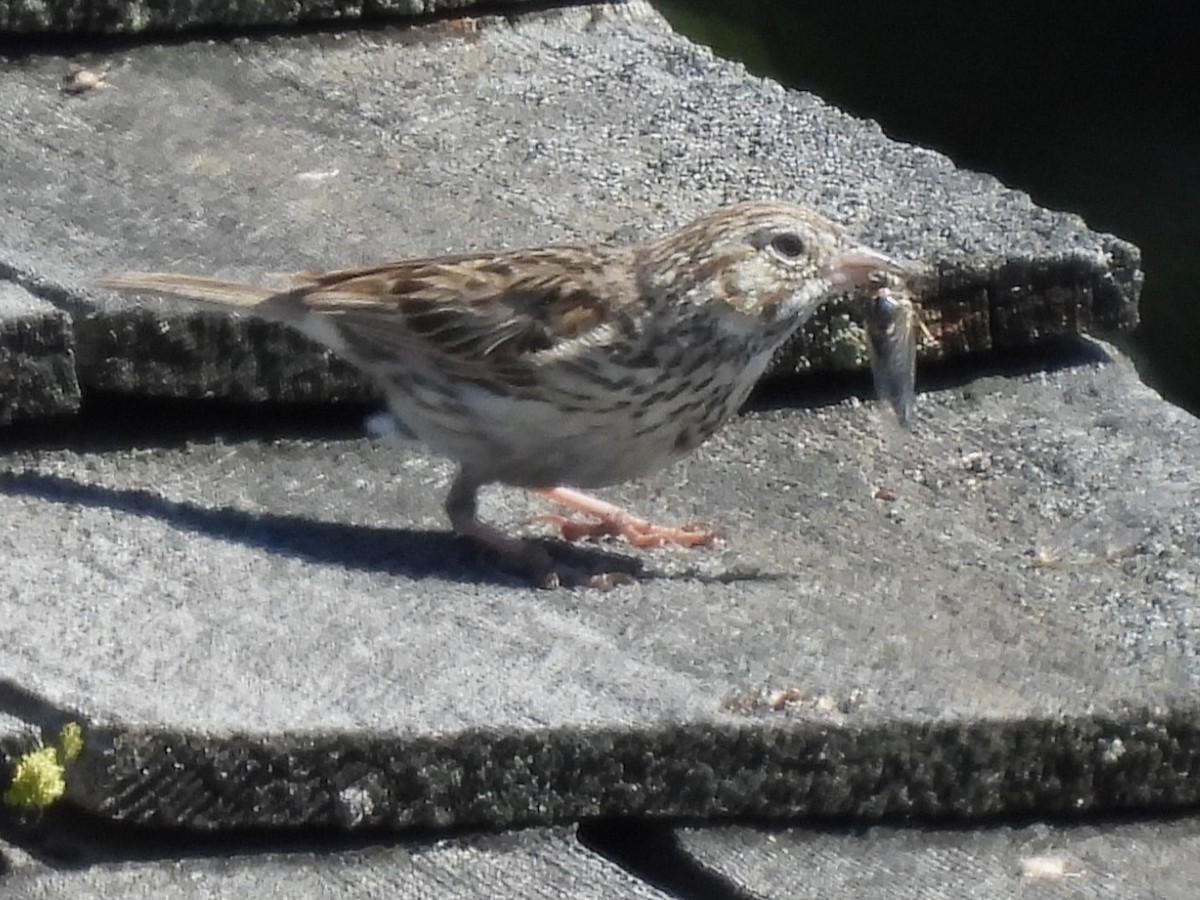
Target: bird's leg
(613, 520)
(521, 558)
(511, 554)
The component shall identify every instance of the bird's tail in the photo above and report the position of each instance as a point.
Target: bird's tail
(209, 291)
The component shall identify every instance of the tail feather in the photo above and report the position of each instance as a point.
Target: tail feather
(192, 287)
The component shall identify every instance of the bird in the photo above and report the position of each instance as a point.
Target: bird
(570, 367)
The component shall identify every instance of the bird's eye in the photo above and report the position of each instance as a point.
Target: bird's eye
(788, 245)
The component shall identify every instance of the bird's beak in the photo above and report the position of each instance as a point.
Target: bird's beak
(854, 266)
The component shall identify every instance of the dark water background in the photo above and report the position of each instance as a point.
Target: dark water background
(1091, 107)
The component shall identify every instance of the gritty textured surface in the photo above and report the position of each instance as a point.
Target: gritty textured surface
(37, 363)
(265, 626)
(588, 124)
(1105, 860)
(997, 612)
(530, 864)
(1111, 859)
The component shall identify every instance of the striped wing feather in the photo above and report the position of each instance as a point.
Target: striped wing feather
(477, 315)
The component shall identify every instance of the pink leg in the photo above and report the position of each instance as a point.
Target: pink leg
(613, 520)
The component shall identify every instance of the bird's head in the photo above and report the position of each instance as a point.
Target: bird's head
(772, 262)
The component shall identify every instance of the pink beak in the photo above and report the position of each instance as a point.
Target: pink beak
(855, 265)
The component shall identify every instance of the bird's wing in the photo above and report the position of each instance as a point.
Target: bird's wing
(496, 308)
(478, 315)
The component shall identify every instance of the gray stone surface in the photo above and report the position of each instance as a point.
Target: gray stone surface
(281, 633)
(1078, 861)
(262, 626)
(529, 864)
(37, 362)
(1081, 860)
(250, 157)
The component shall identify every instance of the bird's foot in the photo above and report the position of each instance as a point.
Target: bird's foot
(612, 520)
(531, 562)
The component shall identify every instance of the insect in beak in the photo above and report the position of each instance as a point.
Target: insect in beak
(892, 321)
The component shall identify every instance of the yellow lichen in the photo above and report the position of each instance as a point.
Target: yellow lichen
(40, 775)
(70, 741)
(38, 780)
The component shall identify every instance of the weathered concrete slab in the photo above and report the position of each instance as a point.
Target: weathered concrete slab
(250, 157)
(118, 17)
(996, 613)
(534, 863)
(1079, 861)
(37, 359)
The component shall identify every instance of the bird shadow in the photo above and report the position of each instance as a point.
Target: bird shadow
(403, 552)
(400, 552)
(114, 422)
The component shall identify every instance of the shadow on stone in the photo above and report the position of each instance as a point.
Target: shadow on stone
(118, 421)
(394, 551)
(652, 852)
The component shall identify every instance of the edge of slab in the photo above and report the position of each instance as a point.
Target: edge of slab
(1136, 758)
(38, 377)
(117, 17)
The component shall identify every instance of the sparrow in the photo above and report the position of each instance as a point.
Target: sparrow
(563, 368)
